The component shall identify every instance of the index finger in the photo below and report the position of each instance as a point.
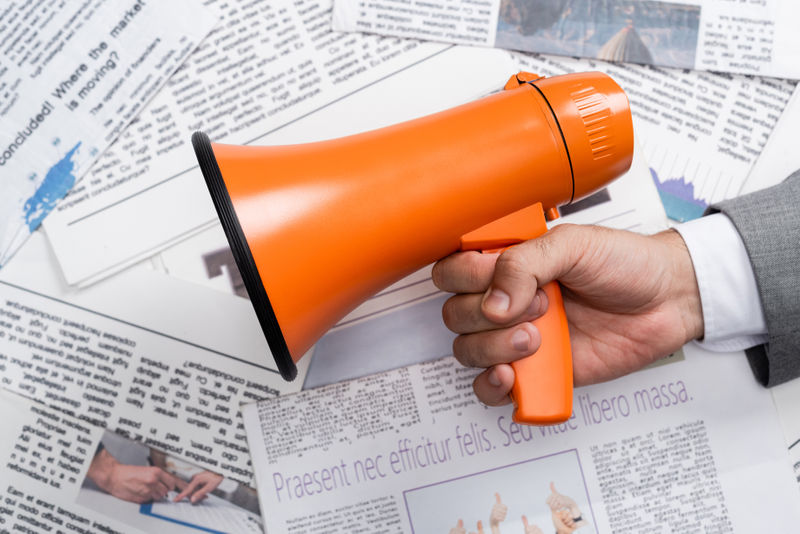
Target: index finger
(464, 272)
(190, 487)
(200, 494)
(497, 497)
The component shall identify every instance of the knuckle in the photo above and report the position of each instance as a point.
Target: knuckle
(513, 264)
(473, 271)
(563, 233)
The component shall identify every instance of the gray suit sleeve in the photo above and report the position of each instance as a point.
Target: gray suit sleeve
(769, 223)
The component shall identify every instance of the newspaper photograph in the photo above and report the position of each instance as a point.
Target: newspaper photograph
(701, 34)
(90, 65)
(62, 474)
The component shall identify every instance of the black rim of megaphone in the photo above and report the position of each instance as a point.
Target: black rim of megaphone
(243, 256)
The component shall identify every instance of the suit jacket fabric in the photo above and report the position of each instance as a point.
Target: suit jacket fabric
(769, 223)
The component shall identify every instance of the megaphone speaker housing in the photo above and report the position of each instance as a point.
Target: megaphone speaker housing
(318, 228)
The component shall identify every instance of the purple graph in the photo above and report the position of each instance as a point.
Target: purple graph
(678, 197)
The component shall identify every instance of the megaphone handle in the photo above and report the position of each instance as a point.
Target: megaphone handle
(542, 391)
(542, 388)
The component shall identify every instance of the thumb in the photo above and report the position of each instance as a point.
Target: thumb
(524, 268)
(553, 488)
(524, 521)
(497, 498)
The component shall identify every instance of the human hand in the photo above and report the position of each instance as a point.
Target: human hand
(459, 528)
(530, 529)
(199, 487)
(134, 483)
(480, 528)
(562, 521)
(630, 299)
(498, 514)
(557, 501)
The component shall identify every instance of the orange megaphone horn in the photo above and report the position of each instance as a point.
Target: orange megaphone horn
(318, 228)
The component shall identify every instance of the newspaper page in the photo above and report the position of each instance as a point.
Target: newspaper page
(780, 156)
(746, 37)
(158, 360)
(62, 474)
(268, 63)
(73, 75)
(692, 445)
(700, 132)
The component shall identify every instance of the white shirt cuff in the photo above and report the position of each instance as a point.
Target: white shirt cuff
(732, 312)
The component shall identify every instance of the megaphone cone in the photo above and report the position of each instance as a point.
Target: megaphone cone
(318, 228)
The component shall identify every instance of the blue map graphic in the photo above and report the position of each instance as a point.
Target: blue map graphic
(58, 181)
(678, 198)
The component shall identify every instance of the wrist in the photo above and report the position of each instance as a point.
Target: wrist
(684, 291)
(101, 470)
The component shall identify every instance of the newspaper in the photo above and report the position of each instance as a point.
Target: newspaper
(689, 446)
(62, 474)
(780, 157)
(161, 361)
(754, 37)
(700, 132)
(72, 77)
(267, 64)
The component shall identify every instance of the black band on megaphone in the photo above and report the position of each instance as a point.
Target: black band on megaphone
(563, 137)
(243, 256)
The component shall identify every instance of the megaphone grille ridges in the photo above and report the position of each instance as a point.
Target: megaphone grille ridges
(243, 256)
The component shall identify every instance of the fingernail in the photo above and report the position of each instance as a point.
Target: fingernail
(520, 339)
(535, 304)
(493, 379)
(497, 301)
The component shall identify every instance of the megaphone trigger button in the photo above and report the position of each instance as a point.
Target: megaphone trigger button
(552, 214)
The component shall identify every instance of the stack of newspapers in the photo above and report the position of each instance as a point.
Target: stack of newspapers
(137, 390)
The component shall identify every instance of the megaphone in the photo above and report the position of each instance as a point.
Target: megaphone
(318, 228)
